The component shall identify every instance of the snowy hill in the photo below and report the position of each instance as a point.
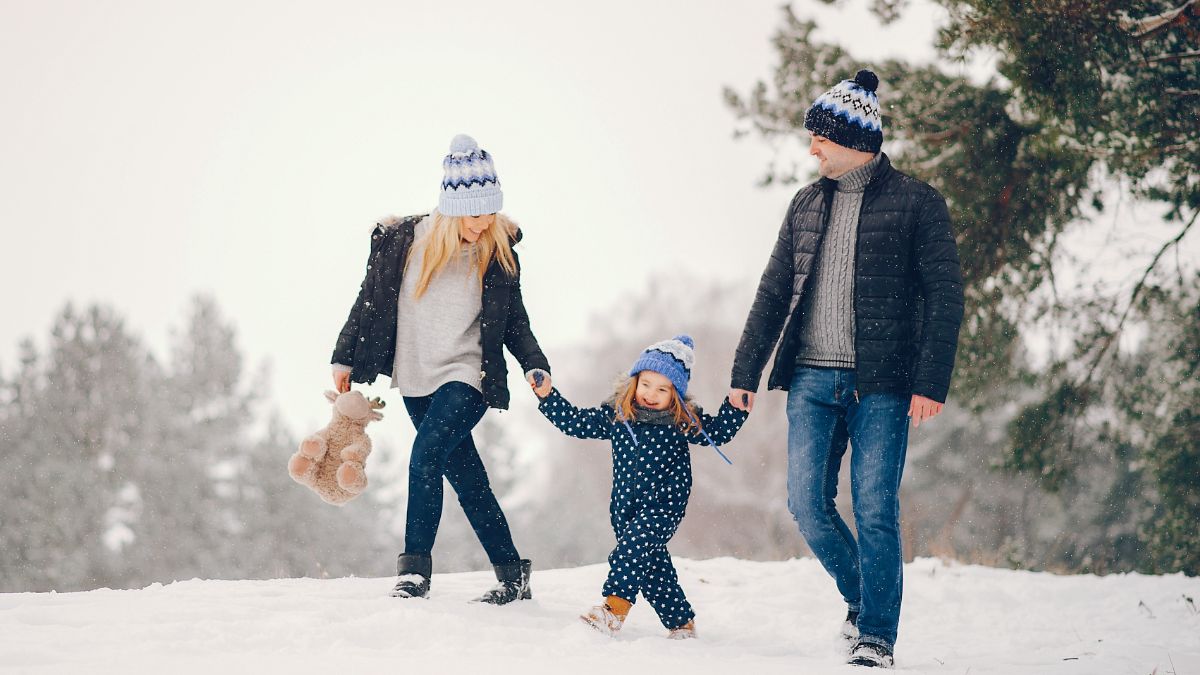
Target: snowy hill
(753, 617)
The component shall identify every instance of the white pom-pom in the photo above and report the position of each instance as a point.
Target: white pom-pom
(462, 145)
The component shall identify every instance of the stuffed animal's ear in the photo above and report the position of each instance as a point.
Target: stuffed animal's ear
(331, 396)
(375, 415)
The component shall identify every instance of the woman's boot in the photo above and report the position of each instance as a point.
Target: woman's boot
(514, 584)
(414, 570)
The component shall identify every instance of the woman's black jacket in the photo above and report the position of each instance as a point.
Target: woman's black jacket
(367, 342)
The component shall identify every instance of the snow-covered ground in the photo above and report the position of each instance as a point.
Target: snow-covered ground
(753, 617)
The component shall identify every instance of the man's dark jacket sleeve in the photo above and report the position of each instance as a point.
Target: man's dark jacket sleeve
(769, 311)
(940, 279)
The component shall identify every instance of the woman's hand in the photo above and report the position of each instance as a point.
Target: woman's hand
(341, 381)
(539, 381)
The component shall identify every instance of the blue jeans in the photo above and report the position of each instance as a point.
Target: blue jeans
(444, 447)
(823, 414)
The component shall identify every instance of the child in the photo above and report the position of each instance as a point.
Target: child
(650, 423)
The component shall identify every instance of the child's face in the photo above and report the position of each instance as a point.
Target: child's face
(654, 390)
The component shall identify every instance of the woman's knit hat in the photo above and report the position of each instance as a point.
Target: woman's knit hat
(470, 186)
(848, 114)
(672, 358)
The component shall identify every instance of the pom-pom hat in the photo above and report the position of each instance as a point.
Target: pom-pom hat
(470, 186)
(848, 114)
(672, 358)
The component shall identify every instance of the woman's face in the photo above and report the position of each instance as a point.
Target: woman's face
(654, 390)
(473, 227)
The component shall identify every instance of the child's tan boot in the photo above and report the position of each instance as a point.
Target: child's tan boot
(608, 617)
(685, 632)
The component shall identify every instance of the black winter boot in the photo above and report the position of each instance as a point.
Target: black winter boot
(870, 655)
(850, 628)
(414, 570)
(514, 584)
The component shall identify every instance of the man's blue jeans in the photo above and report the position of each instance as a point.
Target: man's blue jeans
(824, 412)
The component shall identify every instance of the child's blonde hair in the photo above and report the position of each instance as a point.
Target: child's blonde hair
(683, 413)
(444, 241)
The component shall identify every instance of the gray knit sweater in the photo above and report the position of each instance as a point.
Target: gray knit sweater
(827, 326)
(437, 336)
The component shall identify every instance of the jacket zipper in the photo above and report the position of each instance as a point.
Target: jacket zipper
(854, 276)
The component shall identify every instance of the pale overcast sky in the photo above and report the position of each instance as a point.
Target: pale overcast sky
(153, 150)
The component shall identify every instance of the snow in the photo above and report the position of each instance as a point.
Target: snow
(753, 617)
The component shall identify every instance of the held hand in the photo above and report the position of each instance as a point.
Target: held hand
(341, 381)
(741, 399)
(923, 409)
(540, 384)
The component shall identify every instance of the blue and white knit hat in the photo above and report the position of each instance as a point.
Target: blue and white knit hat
(470, 186)
(848, 114)
(672, 358)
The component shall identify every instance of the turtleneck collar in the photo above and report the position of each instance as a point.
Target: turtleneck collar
(856, 180)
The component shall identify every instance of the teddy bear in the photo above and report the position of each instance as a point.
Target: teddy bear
(331, 460)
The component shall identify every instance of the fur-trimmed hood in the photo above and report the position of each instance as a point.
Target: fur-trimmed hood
(392, 221)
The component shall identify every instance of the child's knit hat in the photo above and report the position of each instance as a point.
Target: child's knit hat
(470, 186)
(672, 358)
(848, 114)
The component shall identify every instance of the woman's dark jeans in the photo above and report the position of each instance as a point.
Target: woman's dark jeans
(444, 447)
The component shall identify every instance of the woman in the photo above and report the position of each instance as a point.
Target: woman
(442, 295)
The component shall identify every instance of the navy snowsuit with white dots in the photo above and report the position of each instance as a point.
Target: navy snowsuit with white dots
(652, 480)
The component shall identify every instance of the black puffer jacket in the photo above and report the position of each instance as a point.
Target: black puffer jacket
(908, 301)
(367, 342)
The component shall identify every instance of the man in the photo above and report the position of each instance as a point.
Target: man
(864, 283)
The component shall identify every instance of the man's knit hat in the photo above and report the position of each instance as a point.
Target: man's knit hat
(672, 358)
(470, 187)
(848, 114)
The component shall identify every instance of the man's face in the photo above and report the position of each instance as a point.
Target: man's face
(836, 160)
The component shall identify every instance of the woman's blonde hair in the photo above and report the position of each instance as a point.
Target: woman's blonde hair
(683, 413)
(443, 243)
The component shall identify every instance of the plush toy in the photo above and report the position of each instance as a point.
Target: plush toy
(331, 460)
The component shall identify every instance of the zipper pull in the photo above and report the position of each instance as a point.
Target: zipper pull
(856, 397)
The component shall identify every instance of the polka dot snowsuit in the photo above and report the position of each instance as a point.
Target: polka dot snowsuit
(652, 480)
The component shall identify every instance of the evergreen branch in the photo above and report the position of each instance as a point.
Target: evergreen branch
(1110, 339)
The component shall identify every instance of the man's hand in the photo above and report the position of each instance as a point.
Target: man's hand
(540, 383)
(922, 409)
(742, 399)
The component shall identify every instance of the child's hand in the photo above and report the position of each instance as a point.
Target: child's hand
(539, 381)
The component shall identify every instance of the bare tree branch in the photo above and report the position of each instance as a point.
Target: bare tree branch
(1152, 25)
(1110, 339)
(1181, 56)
